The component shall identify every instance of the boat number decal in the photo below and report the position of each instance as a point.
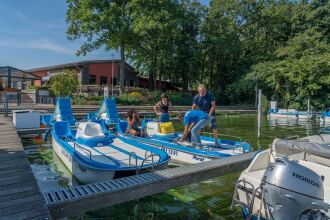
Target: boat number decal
(198, 158)
(170, 151)
(65, 154)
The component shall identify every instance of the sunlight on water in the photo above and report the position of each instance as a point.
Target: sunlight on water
(209, 199)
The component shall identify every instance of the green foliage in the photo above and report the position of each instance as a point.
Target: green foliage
(64, 84)
(181, 98)
(231, 46)
(137, 98)
(101, 24)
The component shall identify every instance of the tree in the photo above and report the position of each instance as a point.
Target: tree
(187, 58)
(64, 84)
(154, 24)
(101, 23)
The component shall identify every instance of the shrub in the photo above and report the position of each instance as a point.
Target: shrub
(181, 98)
(130, 99)
(65, 83)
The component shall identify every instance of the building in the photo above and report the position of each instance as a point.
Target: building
(12, 78)
(93, 72)
(166, 85)
(97, 72)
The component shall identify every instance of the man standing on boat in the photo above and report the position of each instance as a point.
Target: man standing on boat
(205, 101)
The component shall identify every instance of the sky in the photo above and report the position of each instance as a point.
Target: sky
(33, 34)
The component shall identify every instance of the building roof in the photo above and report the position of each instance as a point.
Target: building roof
(75, 64)
(16, 73)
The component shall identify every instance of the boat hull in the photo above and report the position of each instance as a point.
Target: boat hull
(82, 173)
(184, 157)
(291, 116)
(325, 121)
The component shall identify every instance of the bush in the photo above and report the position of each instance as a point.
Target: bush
(130, 99)
(65, 83)
(137, 98)
(181, 98)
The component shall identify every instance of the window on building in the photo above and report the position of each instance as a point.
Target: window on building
(114, 81)
(131, 83)
(92, 79)
(104, 80)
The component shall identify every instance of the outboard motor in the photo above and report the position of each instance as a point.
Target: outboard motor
(292, 191)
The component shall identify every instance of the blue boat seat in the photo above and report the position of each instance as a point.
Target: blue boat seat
(62, 129)
(121, 126)
(46, 119)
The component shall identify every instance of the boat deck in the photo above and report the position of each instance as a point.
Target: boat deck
(118, 151)
(20, 197)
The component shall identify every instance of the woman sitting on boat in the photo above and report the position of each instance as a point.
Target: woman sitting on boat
(165, 106)
(133, 121)
(194, 121)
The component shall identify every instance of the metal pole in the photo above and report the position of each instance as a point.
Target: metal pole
(9, 77)
(113, 57)
(308, 106)
(259, 112)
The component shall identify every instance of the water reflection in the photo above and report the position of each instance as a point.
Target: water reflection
(308, 124)
(209, 199)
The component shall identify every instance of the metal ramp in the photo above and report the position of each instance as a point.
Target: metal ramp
(80, 199)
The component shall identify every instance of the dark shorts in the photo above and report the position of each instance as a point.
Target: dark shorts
(213, 123)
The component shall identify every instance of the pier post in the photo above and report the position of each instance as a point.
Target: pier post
(259, 112)
(308, 108)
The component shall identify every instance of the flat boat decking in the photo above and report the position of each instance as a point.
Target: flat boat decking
(20, 197)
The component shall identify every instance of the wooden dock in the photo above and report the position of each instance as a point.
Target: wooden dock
(20, 197)
(80, 199)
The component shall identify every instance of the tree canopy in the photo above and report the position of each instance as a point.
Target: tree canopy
(280, 45)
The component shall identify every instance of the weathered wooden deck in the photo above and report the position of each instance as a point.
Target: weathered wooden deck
(20, 197)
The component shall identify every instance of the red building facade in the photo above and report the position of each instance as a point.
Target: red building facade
(95, 72)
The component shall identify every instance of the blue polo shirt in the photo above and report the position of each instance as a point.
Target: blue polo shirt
(194, 116)
(204, 102)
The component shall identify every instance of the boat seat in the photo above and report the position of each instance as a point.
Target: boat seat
(122, 126)
(260, 162)
(317, 159)
(90, 130)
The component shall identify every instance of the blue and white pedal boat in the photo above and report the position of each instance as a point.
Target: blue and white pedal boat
(92, 154)
(184, 151)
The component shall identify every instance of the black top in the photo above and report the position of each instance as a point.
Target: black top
(163, 107)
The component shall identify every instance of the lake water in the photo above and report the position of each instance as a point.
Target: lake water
(209, 199)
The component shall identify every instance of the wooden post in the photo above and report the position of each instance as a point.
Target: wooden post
(259, 112)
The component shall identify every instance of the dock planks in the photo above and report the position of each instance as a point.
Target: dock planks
(20, 197)
(80, 199)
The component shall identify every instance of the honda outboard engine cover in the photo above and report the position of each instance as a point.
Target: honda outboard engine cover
(289, 189)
